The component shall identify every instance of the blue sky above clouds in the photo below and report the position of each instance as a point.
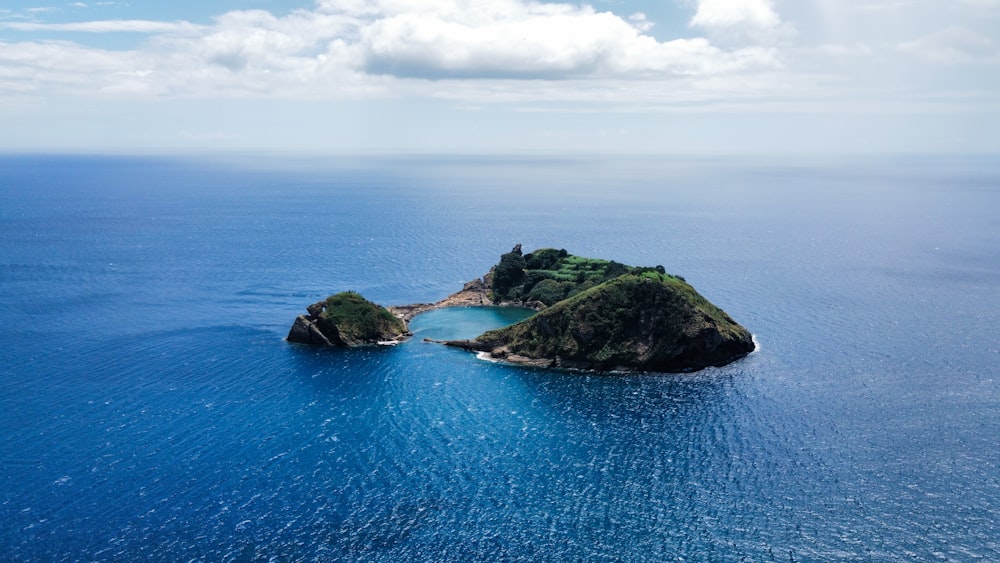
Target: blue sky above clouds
(502, 75)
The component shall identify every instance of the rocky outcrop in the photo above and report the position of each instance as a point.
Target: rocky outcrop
(475, 293)
(305, 331)
(347, 320)
(651, 322)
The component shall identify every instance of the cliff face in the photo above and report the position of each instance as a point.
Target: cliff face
(645, 322)
(347, 320)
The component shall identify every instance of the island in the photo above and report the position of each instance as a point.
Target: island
(592, 314)
(348, 320)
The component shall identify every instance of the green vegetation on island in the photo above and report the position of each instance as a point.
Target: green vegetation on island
(347, 319)
(602, 315)
(592, 314)
(548, 275)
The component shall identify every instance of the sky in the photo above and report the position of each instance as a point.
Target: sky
(511, 76)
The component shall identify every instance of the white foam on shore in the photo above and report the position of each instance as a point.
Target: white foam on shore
(488, 357)
(756, 344)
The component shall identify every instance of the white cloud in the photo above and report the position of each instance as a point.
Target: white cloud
(354, 48)
(373, 63)
(533, 41)
(741, 22)
(844, 51)
(108, 26)
(983, 4)
(511, 51)
(641, 22)
(31, 68)
(952, 45)
(735, 13)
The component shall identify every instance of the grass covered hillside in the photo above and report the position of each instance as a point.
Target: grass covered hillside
(604, 315)
(347, 319)
(549, 275)
(357, 319)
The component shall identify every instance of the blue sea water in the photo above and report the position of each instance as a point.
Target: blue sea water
(151, 410)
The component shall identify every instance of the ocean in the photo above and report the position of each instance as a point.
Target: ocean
(151, 409)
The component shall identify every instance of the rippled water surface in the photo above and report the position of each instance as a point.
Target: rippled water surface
(151, 410)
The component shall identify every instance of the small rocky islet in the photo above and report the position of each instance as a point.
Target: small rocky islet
(347, 320)
(592, 314)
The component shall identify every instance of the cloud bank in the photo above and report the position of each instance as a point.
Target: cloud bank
(351, 48)
(857, 60)
(953, 45)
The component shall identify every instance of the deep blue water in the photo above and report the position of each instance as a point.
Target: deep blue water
(151, 410)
